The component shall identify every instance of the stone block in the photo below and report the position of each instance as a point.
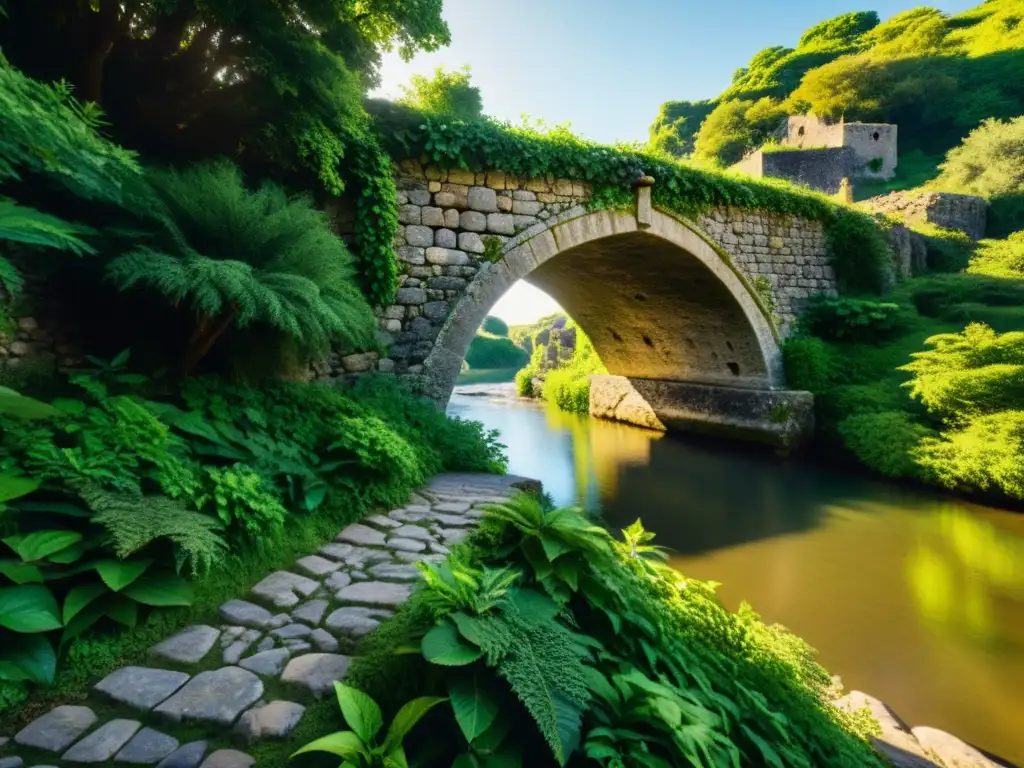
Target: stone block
(527, 207)
(505, 204)
(524, 195)
(431, 217)
(474, 221)
(451, 218)
(141, 687)
(537, 185)
(218, 697)
(57, 729)
(411, 254)
(446, 256)
(419, 196)
(316, 672)
(501, 224)
(445, 238)
(560, 187)
(435, 310)
(483, 199)
(411, 295)
(459, 176)
(471, 242)
(362, 361)
(419, 235)
(409, 214)
(447, 283)
(188, 646)
(433, 186)
(496, 179)
(103, 743)
(523, 222)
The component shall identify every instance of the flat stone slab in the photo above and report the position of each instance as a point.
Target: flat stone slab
(234, 651)
(283, 589)
(245, 613)
(147, 747)
(454, 521)
(141, 687)
(11, 762)
(188, 646)
(218, 696)
(274, 721)
(357, 621)
(406, 545)
(57, 729)
(411, 532)
(316, 672)
(395, 572)
(267, 663)
(409, 515)
(354, 557)
(381, 593)
(292, 632)
(453, 507)
(324, 641)
(228, 758)
(297, 646)
(315, 565)
(186, 756)
(103, 743)
(381, 521)
(454, 537)
(357, 533)
(312, 612)
(952, 751)
(895, 741)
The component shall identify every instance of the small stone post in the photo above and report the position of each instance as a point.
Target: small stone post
(845, 191)
(644, 209)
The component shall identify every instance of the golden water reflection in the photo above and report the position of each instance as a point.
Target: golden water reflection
(913, 597)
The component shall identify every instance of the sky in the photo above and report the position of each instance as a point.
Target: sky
(606, 66)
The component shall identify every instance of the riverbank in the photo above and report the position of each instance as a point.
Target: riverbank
(894, 585)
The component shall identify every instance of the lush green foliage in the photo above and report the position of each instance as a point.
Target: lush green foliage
(491, 351)
(235, 259)
(936, 76)
(446, 93)
(556, 644)
(494, 326)
(358, 747)
(861, 255)
(990, 163)
(568, 386)
(832, 318)
(107, 490)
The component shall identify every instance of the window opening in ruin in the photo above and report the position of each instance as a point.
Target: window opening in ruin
(800, 131)
(875, 135)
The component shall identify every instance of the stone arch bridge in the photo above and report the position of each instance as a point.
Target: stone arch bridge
(687, 314)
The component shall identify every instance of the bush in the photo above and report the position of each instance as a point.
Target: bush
(1001, 259)
(990, 163)
(568, 386)
(859, 320)
(494, 326)
(810, 364)
(556, 644)
(987, 454)
(947, 250)
(887, 441)
(487, 351)
(861, 255)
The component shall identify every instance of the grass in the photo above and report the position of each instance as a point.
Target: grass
(486, 376)
(914, 169)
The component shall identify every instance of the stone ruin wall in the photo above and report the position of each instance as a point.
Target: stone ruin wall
(966, 213)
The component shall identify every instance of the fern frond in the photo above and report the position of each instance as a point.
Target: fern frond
(136, 521)
(22, 224)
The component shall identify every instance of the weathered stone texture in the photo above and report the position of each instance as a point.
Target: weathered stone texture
(943, 209)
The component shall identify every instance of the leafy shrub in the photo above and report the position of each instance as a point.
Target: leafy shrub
(887, 441)
(494, 326)
(990, 163)
(1000, 259)
(568, 386)
(555, 643)
(840, 319)
(235, 259)
(446, 93)
(947, 250)
(488, 351)
(986, 454)
(861, 256)
(810, 363)
(242, 499)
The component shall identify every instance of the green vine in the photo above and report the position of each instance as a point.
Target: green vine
(524, 151)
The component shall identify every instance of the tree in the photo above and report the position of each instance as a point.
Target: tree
(495, 326)
(676, 126)
(186, 79)
(446, 93)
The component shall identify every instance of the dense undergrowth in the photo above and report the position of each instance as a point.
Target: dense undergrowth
(565, 382)
(555, 644)
(927, 385)
(124, 497)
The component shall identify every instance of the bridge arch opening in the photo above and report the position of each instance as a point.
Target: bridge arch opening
(659, 303)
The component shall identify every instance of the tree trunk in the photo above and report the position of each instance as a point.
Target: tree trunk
(91, 86)
(207, 331)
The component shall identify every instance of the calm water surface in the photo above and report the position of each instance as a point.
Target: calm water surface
(915, 598)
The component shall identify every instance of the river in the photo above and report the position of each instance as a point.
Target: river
(913, 597)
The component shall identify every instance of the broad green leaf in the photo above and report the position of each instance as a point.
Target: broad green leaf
(83, 620)
(534, 608)
(41, 544)
(361, 713)
(79, 597)
(469, 627)
(69, 406)
(407, 717)
(72, 553)
(124, 611)
(29, 608)
(443, 645)
(54, 507)
(15, 487)
(118, 574)
(160, 590)
(28, 657)
(396, 758)
(121, 360)
(474, 703)
(15, 404)
(344, 744)
(21, 573)
(553, 546)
